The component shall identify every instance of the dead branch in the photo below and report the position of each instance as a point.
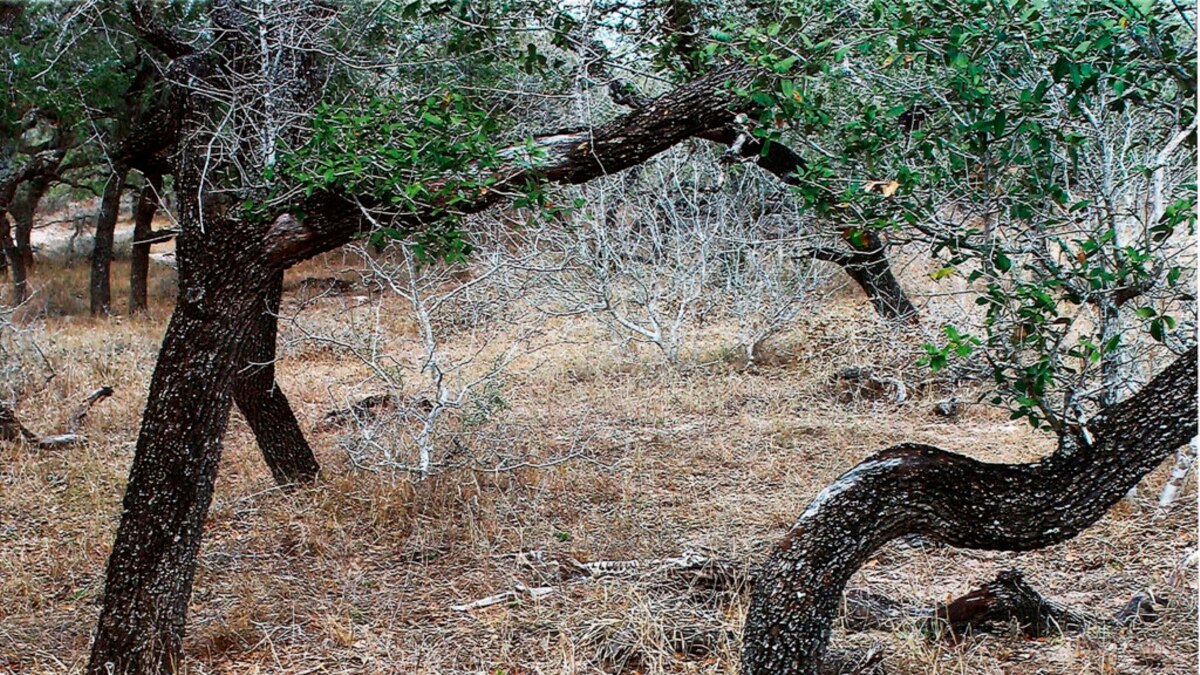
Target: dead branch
(999, 603)
(84, 408)
(534, 593)
(993, 607)
(12, 430)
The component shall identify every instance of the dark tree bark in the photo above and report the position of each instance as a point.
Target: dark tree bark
(998, 605)
(703, 108)
(223, 286)
(957, 501)
(24, 208)
(229, 274)
(102, 251)
(1002, 601)
(329, 220)
(865, 259)
(264, 405)
(868, 266)
(219, 326)
(40, 169)
(143, 231)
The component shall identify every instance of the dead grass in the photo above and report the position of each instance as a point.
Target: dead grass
(358, 573)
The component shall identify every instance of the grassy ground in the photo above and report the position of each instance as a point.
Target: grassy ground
(359, 573)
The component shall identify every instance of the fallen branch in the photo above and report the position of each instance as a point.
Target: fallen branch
(999, 603)
(12, 430)
(993, 607)
(364, 410)
(84, 408)
(534, 594)
(157, 237)
(957, 501)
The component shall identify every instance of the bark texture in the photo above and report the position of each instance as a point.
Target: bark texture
(264, 405)
(24, 208)
(12, 255)
(957, 501)
(330, 220)
(226, 286)
(1007, 599)
(102, 252)
(143, 231)
(868, 266)
(703, 108)
(152, 564)
(20, 191)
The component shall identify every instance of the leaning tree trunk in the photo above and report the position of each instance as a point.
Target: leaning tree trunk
(222, 287)
(958, 501)
(143, 231)
(24, 208)
(102, 249)
(267, 410)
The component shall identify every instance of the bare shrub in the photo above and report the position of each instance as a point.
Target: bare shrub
(471, 320)
(682, 242)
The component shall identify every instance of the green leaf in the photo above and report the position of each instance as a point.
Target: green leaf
(784, 65)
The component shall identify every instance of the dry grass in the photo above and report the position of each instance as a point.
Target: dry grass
(358, 573)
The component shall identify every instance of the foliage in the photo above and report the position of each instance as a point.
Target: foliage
(1043, 154)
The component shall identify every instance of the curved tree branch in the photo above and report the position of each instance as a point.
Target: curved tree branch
(958, 501)
(865, 261)
(156, 33)
(704, 108)
(330, 220)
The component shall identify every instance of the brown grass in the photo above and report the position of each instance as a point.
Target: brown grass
(358, 573)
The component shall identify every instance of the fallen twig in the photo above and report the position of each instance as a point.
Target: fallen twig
(535, 593)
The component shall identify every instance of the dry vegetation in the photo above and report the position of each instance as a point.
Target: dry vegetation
(359, 573)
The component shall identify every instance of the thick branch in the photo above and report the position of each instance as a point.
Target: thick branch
(865, 261)
(868, 266)
(330, 220)
(156, 33)
(955, 500)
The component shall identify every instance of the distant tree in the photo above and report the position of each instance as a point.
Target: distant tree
(83, 100)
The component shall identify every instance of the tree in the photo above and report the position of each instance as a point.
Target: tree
(957, 501)
(80, 99)
(280, 154)
(231, 260)
(1035, 152)
(143, 236)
